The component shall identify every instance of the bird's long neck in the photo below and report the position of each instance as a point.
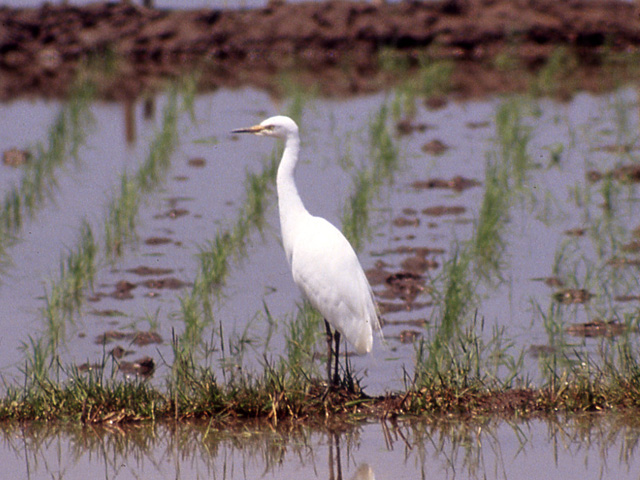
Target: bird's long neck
(292, 210)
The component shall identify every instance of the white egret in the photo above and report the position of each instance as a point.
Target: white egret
(323, 263)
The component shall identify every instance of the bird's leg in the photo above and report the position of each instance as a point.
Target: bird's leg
(336, 375)
(329, 352)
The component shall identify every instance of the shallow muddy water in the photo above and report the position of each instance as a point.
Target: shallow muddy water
(205, 189)
(592, 448)
(556, 229)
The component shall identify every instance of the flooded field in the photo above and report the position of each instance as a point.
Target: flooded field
(553, 288)
(150, 325)
(557, 280)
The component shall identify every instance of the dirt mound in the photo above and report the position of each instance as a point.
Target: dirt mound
(338, 44)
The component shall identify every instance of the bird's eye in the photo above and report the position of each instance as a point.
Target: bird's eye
(269, 127)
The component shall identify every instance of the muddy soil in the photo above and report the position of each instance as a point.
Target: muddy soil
(334, 45)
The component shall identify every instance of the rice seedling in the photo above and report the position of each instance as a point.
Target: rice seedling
(64, 138)
(355, 219)
(434, 76)
(392, 61)
(64, 295)
(554, 77)
(123, 208)
(513, 138)
(119, 227)
(487, 245)
(162, 146)
(384, 158)
(479, 258)
(431, 78)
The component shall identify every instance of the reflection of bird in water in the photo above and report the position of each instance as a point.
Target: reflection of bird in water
(323, 263)
(364, 472)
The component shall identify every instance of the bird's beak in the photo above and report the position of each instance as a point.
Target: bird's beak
(254, 129)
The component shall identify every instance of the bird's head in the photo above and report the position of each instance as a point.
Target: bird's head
(278, 126)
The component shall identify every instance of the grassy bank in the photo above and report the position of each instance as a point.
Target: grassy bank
(93, 399)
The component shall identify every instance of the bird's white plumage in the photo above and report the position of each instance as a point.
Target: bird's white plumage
(323, 264)
(326, 269)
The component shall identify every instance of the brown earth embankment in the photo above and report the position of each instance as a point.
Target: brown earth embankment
(336, 45)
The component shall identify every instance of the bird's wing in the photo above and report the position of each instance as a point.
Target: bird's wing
(326, 269)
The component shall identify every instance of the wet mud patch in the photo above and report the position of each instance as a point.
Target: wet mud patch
(616, 149)
(170, 283)
(395, 307)
(123, 290)
(554, 282)
(144, 271)
(405, 250)
(172, 214)
(627, 298)
(397, 289)
(197, 162)
(575, 232)
(336, 45)
(631, 247)
(406, 222)
(407, 127)
(621, 262)
(442, 210)
(406, 336)
(140, 339)
(598, 328)
(436, 102)
(541, 351)
(435, 147)
(477, 125)
(572, 296)
(419, 263)
(15, 157)
(143, 367)
(108, 313)
(405, 286)
(89, 367)
(623, 174)
(413, 322)
(157, 241)
(119, 352)
(457, 184)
